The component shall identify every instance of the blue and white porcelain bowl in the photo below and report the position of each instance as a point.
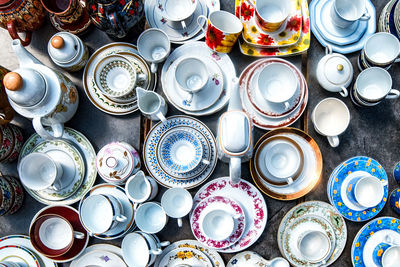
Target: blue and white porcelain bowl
(180, 151)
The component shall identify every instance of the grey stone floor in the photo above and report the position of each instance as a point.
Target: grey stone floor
(373, 132)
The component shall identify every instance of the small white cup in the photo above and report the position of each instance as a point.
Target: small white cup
(152, 105)
(391, 257)
(39, 171)
(331, 117)
(177, 203)
(179, 10)
(271, 14)
(345, 12)
(381, 49)
(154, 45)
(140, 188)
(367, 191)
(217, 224)
(315, 246)
(150, 217)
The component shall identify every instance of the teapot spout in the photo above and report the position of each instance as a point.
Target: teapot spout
(234, 102)
(24, 57)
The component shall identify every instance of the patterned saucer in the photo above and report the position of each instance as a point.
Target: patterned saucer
(98, 247)
(186, 256)
(315, 209)
(99, 258)
(19, 255)
(386, 19)
(73, 168)
(338, 178)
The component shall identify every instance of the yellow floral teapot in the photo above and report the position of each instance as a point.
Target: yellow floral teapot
(37, 92)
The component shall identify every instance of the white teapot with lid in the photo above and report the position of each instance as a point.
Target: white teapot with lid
(37, 92)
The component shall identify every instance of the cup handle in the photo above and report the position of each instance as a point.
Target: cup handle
(344, 92)
(157, 251)
(384, 183)
(393, 94)
(204, 161)
(165, 243)
(235, 170)
(58, 129)
(79, 235)
(333, 141)
(290, 180)
(328, 49)
(56, 186)
(287, 105)
(365, 16)
(12, 30)
(190, 98)
(153, 67)
(204, 29)
(183, 25)
(142, 77)
(179, 220)
(121, 218)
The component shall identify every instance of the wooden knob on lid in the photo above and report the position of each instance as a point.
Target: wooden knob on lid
(13, 81)
(57, 42)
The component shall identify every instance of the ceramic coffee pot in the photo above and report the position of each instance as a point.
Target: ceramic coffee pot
(37, 92)
(21, 16)
(235, 135)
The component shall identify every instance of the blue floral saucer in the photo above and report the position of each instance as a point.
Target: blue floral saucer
(396, 172)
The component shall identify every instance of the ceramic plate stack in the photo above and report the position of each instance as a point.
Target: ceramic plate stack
(121, 105)
(389, 19)
(105, 255)
(156, 15)
(267, 115)
(291, 39)
(78, 159)
(294, 180)
(311, 216)
(166, 141)
(342, 40)
(342, 180)
(216, 93)
(247, 209)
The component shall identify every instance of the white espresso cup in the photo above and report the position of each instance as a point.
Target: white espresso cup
(367, 191)
(345, 12)
(314, 246)
(177, 203)
(331, 117)
(38, 171)
(140, 188)
(381, 49)
(152, 105)
(217, 224)
(150, 217)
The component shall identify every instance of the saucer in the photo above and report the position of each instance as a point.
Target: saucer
(72, 164)
(186, 256)
(386, 19)
(288, 35)
(369, 236)
(204, 98)
(19, 255)
(203, 51)
(221, 203)
(339, 177)
(99, 258)
(85, 148)
(98, 247)
(251, 201)
(396, 172)
(321, 210)
(331, 32)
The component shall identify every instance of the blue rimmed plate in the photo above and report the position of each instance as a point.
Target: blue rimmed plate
(339, 178)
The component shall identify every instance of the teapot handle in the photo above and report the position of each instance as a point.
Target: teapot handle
(12, 30)
(112, 17)
(58, 129)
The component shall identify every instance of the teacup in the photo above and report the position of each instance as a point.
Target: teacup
(178, 10)
(271, 14)
(177, 203)
(394, 200)
(222, 30)
(315, 246)
(346, 12)
(150, 217)
(154, 45)
(116, 77)
(381, 49)
(152, 105)
(367, 191)
(100, 213)
(391, 257)
(67, 11)
(39, 171)
(52, 235)
(217, 224)
(331, 117)
(373, 85)
(140, 188)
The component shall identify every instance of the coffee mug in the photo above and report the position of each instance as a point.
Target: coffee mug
(67, 11)
(346, 12)
(366, 191)
(394, 200)
(314, 245)
(177, 203)
(140, 188)
(222, 30)
(331, 117)
(150, 217)
(271, 14)
(152, 105)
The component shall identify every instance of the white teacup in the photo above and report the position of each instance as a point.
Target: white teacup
(277, 83)
(178, 10)
(217, 224)
(331, 117)
(345, 12)
(154, 45)
(177, 203)
(271, 14)
(150, 217)
(39, 171)
(391, 257)
(381, 49)
(315, 246)
(140, 188)
(152, 105)
(367, 191)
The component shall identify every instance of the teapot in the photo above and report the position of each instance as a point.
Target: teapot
(37, 92)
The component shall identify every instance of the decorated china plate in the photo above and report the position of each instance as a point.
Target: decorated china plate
(338, 179)
(298, 47)
(101, 258)
(316, 209)
(19, 255)
(72, 164)
(287, 35)
(213, 255)
(85, 148)
(150, 152)
(202, 50)
(386, 18)
(99, 247)
(186, 256)
(249, 198)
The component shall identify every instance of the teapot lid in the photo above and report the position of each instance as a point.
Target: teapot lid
(63, 47)
(25, 87)
(338, 69)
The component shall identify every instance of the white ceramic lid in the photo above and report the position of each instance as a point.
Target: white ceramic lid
(338, 69)
(63, 47)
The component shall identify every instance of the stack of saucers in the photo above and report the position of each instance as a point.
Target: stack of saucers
(179, 21)
(100, 255)
(228, 217)
(274, 93)
(312, 234)
(180, 152)
(11, 195)
(300, 173)
(291, 38)
(389, 19)
(358, 188)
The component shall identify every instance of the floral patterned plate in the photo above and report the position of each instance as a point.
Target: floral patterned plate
(302, 44)
(396, 172)
(249, 198)
(186, 256)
